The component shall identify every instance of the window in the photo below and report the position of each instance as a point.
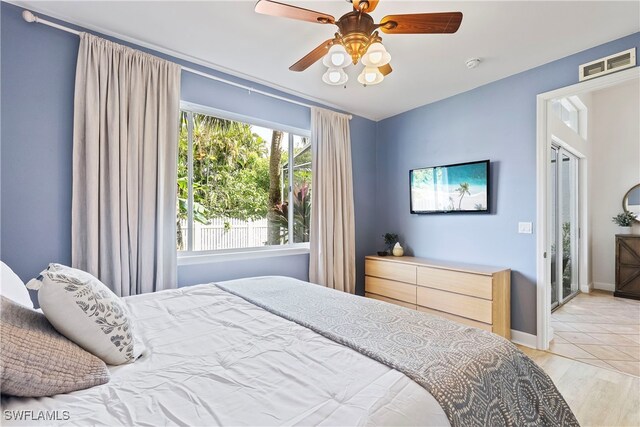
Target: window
(572, 112)
(567, 112)
(237, 181)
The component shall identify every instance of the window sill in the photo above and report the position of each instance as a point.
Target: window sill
(240, 255)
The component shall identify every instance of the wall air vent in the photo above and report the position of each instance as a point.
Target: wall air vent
(607, 65)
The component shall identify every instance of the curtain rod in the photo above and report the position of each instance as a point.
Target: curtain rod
(30, 17)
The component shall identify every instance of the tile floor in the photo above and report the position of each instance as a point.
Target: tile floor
(600, 330)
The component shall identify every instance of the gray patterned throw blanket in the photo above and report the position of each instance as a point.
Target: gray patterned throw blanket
(478, 378)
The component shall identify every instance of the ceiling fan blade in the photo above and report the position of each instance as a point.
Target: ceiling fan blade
(311, 57)
(268, 7)
(369, 5)
(422, 23)
(385, 69)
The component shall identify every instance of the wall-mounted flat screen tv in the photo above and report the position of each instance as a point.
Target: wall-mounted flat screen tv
(458, 188)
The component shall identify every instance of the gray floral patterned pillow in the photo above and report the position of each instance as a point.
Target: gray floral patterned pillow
(84, 310)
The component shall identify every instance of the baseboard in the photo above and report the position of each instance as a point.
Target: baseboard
(586, 288)
(604, 286)
(523, 338)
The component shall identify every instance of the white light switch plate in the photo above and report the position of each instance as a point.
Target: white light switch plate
(525, 227)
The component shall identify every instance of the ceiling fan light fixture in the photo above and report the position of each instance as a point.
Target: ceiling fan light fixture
(335, 76)
(337, 57)
(358, 38)
(370, 76)
(376, 56)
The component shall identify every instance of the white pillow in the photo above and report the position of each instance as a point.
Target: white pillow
(13, 288)
(84, 310)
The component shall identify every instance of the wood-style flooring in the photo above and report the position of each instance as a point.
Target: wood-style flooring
(597, 396)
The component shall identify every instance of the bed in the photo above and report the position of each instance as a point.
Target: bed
(220, 355)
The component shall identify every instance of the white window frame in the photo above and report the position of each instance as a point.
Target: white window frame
(573, 104)
(573, 113)
(188, 257)
(583, 115)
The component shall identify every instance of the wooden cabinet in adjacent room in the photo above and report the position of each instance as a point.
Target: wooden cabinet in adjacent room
(473, 295)
(627, 266)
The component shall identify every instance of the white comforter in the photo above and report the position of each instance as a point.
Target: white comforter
(214, 359)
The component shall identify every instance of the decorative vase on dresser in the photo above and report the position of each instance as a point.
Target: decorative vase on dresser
(473, 295)
(397, 250)
(627, 266)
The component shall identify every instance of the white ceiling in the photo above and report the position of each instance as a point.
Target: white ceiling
(509, 37)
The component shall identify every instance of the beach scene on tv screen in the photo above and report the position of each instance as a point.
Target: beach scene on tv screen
(452, 188)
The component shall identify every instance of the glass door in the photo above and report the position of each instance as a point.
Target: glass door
(564, 229)
(553, 225)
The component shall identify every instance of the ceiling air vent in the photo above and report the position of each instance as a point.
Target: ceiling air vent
(607, 65)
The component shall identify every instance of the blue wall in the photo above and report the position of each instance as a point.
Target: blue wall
(497, 122)
(38, 72)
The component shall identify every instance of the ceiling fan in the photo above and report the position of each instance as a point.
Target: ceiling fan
(358, 39)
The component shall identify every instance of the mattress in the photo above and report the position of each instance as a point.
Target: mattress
(213, 358)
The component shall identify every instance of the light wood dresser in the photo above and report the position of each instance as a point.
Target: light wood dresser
(474, 295)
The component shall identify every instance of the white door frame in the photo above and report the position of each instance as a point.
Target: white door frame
(543, 146)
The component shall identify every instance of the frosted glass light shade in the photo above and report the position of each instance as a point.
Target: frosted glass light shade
(376, 56)
(335, 76)
(337, 57)
(370, 76)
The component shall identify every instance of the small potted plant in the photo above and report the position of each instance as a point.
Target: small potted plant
(624, 221)
(390, 239)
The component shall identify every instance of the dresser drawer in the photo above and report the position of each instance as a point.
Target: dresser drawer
(387, 288)
(390, 270)
(475, 285)
(458, 319)
(461, 305)
(390, 300)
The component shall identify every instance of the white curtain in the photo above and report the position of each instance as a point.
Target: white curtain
(124, 167)
(332, 238)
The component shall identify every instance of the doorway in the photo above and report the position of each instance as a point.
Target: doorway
(543, 198)
(564, 225)
(587, 322)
